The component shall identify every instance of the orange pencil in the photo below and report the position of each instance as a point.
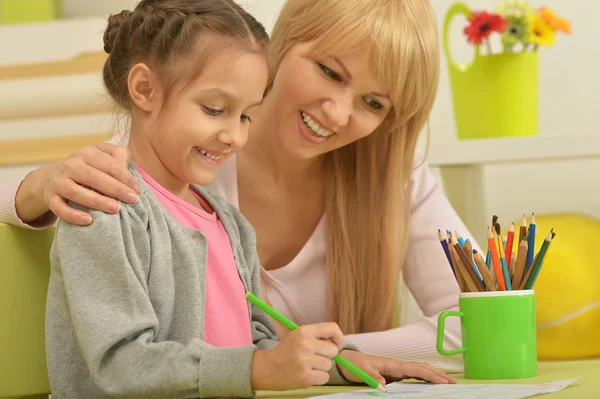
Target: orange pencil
(496, 260)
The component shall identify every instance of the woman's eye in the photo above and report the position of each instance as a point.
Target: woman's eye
(212, 111)
(330, 73)
(246, 118)
(373, 104)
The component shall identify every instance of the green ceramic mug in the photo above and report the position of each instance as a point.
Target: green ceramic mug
(498, 334)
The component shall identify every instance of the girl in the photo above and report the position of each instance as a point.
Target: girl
(150, 301)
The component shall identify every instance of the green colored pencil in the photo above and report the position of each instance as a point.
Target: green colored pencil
(537, 266)
(372, 382)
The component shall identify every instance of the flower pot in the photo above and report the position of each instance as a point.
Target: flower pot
(495, 95)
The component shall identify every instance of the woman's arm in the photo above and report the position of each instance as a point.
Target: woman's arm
(43, 193)
(428, 277)
(32, 218)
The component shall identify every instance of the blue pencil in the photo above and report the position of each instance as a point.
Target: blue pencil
(530, 243)
(506, 274)
(461, 240)
(446, 250)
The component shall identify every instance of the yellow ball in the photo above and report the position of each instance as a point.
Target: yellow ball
(567, 290)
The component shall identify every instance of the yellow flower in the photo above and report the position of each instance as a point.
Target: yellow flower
(540, 31)
(556, 23)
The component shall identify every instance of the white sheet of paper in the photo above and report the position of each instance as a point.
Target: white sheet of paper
(456, 391)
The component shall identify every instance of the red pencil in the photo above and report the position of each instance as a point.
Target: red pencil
(496, 261)
(509, 242)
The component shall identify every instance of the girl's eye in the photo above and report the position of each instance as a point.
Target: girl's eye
(330, 73)
(211, 111)
(246, 118)
(373, 104)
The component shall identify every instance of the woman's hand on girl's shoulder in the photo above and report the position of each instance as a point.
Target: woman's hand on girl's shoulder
(385, 369)
(101, 167)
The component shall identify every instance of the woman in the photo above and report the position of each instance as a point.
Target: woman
(341, 204)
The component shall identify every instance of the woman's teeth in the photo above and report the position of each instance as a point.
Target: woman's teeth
(210, 156)
(314, 126)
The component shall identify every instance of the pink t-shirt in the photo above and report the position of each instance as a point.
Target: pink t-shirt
(227, 321)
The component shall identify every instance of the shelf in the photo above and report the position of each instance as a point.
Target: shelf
(50, 41)
(506, 150)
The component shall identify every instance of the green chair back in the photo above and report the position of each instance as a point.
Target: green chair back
(24, 273)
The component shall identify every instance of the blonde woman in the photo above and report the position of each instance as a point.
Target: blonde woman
(342, 204)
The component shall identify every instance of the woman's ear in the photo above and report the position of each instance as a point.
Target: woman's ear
(144, 88)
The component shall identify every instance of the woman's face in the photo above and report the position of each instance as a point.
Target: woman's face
(321, 104)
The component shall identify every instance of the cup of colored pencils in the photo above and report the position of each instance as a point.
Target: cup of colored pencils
(501, 270)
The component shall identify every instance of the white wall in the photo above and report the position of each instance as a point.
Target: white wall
(568, 71)
(264, 10)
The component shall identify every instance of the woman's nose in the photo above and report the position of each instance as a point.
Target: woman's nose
(338, 110)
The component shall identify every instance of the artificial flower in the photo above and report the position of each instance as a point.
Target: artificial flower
(514, 8)
(516, 31)
(556, 23)
(540, 31)
(482, 25)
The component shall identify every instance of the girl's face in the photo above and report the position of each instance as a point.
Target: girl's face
(205, 122)
(321, 104)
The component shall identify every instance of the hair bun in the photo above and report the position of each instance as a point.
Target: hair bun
(115, 22)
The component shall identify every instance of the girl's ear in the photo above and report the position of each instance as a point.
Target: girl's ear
(144, 87)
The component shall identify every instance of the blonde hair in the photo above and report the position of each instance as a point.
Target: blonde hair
(368, 188)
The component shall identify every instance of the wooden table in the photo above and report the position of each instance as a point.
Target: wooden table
(588, 385)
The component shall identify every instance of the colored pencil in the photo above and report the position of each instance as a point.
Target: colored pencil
(537, 266)
(510, 237)
(488, 280)
(531, 243)
(488, 255)
(520, 264)
(523, 228)
(460, 240)
(527, 275)
(446, 251)
(468, 249)
(372, 382)
(458, 268)
(468, 266)
(505, 272)
(495, 260)
(511, 265)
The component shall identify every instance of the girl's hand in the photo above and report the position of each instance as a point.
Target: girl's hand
(385, 369)
(102, 167)
(302, 359)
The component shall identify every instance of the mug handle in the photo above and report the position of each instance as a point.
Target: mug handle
(455, 9)
(441, 326)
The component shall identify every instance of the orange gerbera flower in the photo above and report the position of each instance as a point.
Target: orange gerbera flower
(556, 23)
